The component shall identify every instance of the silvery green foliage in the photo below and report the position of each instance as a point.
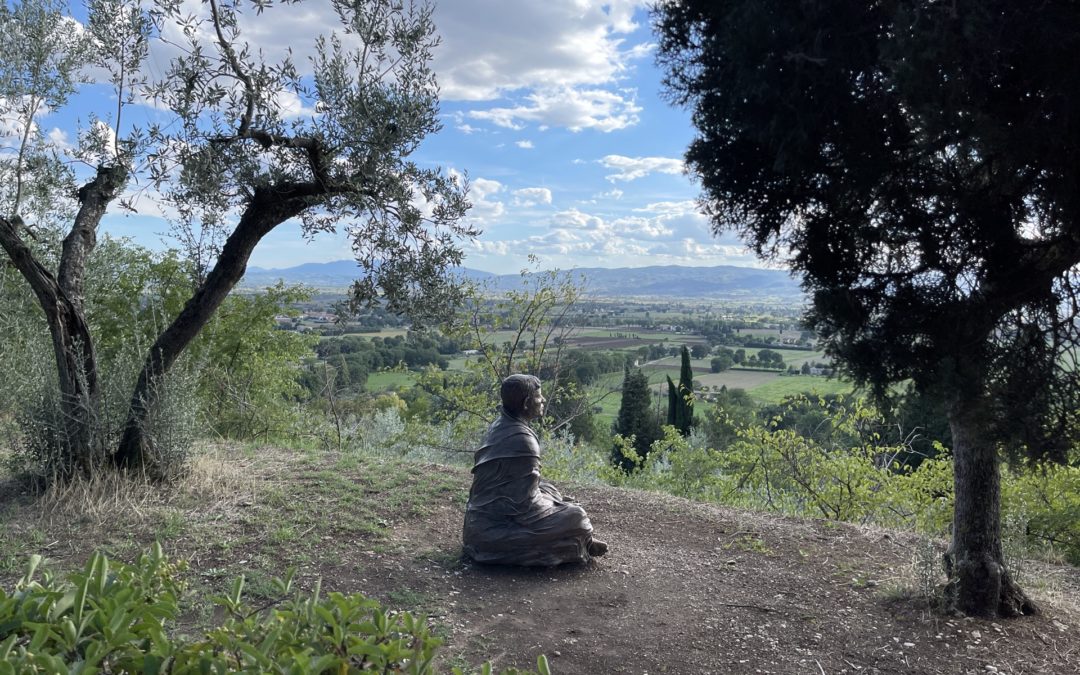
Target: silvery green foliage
(344, 139)
(22, 335)
(565, 459)
(380, 431)
(43, 54)
(31, 414)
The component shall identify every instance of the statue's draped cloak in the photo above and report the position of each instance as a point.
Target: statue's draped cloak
(513, 517)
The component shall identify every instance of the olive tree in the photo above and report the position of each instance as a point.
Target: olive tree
(230, 144)
(917, 163)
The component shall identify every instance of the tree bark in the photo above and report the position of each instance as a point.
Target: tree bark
(73, 350)
(978, 582)
(61, 299)
(268, 209)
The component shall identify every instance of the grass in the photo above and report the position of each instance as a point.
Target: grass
(460, 362)
(797, 357)
(765, 387)
(254, 511)
(231, 514)
(628, 333)
(779, 388)
(390, 379)
(749, 380)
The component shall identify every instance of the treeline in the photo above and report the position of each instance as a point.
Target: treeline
(354, 358)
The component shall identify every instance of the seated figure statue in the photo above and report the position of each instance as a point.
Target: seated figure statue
(513, 517)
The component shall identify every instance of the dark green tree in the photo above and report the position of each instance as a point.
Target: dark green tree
(917, 163)
(681, 398)
(722, 361)
(636, 417)
(732, 410)
(672, 402)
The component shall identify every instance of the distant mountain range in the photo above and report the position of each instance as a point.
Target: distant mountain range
(722, 281)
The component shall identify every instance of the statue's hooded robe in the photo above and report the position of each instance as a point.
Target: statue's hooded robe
(513, 517)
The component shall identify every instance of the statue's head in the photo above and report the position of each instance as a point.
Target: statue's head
(521, 396)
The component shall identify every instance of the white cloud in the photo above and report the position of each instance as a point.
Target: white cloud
(60, 139)
(498, 248)
(574, 109)
(527, 145)
(491, 48)
(614, 193)
(640, 51)
(561, 62)
(532, 196)
(632, 168)
(12, 119)
(291, 106)
(577, 220)
(558, 236)
(685, 207)
(642, 228)
(482, 188)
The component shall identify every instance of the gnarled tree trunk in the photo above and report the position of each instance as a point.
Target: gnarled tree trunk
(61, 300)
(268, 209)
(978, 582)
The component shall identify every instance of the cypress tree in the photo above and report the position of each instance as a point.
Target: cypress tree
(680, 399)
(672, 403)
(635, 417)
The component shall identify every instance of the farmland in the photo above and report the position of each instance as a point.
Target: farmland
(652, 345)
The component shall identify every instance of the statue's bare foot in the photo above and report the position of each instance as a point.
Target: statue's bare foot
(597, 548)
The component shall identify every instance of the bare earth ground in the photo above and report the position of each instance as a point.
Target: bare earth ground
(686, 588)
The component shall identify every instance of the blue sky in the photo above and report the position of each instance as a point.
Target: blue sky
(553, 109)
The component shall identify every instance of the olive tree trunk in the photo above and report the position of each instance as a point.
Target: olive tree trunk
(80, 445)
(978, 582)
(77, 445)
(268, 209)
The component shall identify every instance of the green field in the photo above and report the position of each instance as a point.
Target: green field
(789, 385)
(641, 334)
(763, 386)
(797, 357)
(390, 379)
(385, 333)
(737, 379)
(459, 362)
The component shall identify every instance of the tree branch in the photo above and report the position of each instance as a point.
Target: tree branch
(40, 279)
(94, 199)
(238, 69)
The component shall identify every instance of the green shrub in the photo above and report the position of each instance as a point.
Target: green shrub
(1045, 499)
(114, 618)
(781, 470)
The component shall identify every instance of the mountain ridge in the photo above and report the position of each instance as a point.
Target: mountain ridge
(719, 281)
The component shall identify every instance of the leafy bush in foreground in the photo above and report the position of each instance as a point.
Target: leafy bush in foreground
(114, 618)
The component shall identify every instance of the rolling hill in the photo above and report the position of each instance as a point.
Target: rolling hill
(722, 281)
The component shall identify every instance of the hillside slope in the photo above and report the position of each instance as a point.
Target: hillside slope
(687, 588)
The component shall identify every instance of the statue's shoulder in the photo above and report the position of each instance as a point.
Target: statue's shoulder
(508, 437)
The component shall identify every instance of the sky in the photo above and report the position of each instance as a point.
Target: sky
(554, 110)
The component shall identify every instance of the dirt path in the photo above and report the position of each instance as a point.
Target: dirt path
(689, 588)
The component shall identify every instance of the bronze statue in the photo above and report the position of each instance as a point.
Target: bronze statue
(513, 517)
